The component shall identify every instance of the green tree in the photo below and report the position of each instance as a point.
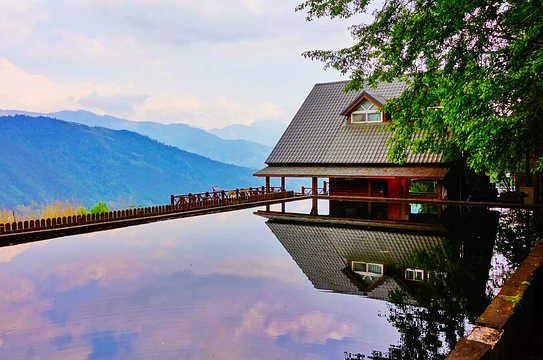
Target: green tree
(99, 208)
(474, 70)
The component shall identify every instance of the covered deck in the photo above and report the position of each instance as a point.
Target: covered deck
(363, 181)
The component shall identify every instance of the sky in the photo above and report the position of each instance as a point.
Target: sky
(209, 63)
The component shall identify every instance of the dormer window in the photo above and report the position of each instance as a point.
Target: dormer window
(366, 112)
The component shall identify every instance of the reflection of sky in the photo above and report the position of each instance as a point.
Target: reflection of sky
(217, 286)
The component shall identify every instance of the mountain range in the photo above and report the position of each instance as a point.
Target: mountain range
(238, 152)
(263, 132)
(45, 159)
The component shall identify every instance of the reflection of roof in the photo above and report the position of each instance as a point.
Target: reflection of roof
(323, 252)
(320, 134)
(354, 171)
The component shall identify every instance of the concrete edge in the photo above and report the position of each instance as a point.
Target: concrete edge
(508, 320)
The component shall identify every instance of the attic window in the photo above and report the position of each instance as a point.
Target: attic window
(363, 268)
(366, 112)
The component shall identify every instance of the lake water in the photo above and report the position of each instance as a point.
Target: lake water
(279, 284)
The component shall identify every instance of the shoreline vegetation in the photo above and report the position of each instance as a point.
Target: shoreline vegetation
(59, 208)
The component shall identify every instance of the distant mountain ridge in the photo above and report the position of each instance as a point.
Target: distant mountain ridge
(238, 152)
(45, 159)
(263, 132)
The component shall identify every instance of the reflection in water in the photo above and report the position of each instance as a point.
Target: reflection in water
(431, 263)
(223, 286)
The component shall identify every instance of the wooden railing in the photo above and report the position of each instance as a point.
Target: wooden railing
(226, 196)
(309, 191)
(179, 203)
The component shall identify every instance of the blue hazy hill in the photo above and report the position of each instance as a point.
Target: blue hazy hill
(45, 159)
(238, 152)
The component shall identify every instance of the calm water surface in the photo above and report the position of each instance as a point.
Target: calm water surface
(241, 286)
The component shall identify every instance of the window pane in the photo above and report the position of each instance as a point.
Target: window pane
(358, 117)
(408, 274)
(374, 117)
(374, 268)
(359, 266)
(367, 105)
(418, 275)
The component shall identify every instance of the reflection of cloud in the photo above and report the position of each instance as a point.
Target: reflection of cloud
(311, 328)
(278, 268)
(106, 271)
(315, 328)
(9, 252)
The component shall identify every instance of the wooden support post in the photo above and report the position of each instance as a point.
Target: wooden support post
(314, 183)
(324, 187)
(267, 184)
(314, 206)
(369, 187)
(282, 183)
(439, 190)
(283, 207)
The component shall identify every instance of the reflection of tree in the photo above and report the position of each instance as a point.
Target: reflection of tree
(454, 294)
(431, 328)
(516, 235)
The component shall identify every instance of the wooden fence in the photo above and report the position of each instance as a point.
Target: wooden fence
(225, 197)
(182, 203)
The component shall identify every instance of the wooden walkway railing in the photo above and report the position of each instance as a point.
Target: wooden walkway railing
(224, 197)
(179, 203)
(309, 191)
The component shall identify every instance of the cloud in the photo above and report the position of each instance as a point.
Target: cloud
(102, 48)
(19, 20)
(181, 23)
(115, 104)
(23, 91)
(218, 112)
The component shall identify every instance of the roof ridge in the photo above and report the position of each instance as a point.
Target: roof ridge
(332, 82)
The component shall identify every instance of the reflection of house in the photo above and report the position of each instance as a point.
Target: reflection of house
(353, 260)
(341, 136)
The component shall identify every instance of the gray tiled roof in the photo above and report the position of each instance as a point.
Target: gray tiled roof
(323, 252)
(319, 134)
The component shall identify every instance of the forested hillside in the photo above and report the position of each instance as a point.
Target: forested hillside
(45, 159)
(186, 137)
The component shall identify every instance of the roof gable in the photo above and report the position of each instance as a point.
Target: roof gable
(376, 99)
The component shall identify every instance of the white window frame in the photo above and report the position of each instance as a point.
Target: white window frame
(415, 272)
(363, 273)
(363, 114)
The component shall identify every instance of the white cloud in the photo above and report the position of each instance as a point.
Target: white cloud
(23, 91)
(116, 103)
(101, 48)
(18, 20)
(184, 108)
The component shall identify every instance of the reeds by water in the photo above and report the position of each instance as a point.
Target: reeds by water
(40, 211)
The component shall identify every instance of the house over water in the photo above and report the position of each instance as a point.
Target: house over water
(341, 136)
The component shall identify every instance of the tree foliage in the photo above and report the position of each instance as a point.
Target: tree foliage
(474, 70)
(99, 208)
